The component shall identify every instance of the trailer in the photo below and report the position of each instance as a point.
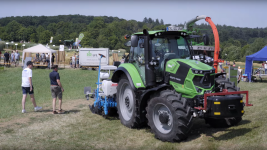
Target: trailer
(89, 57)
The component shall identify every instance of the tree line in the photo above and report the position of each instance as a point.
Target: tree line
(235, 42)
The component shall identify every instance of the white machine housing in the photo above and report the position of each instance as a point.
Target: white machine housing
(104, 75)
(109, 88)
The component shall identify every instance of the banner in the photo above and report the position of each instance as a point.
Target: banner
(61, 47)
(51, 39)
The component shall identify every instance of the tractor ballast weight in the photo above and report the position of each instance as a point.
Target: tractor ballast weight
(161, 85)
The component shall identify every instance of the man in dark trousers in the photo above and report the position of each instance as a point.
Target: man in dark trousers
(6, 59)
(56, 89)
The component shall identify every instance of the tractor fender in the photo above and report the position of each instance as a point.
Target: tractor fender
(145, 97)
(122, 72)
(132, 75)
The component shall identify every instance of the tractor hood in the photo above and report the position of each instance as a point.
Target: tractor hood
(195, 64)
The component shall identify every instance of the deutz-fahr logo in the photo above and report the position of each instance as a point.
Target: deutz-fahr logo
(90, 54)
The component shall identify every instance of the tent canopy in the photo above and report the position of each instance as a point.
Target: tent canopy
(258, 56)
(38, 49)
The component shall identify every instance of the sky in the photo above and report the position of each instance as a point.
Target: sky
(238, 13)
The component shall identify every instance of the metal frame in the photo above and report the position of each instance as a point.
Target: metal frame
(225, 92)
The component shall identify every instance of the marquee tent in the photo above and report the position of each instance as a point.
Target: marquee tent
(38, 49)
(258, 56)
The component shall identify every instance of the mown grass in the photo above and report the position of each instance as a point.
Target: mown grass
(73, 81)
(84, 130)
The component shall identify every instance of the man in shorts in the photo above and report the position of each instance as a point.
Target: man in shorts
(27, 87)
(17, 58)
(56, 89)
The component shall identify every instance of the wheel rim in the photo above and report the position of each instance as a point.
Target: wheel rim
(162, 113)
(126, 102)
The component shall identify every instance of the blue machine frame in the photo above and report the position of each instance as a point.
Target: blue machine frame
(102, 104)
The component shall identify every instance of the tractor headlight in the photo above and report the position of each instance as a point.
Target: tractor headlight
(196, 71)
(200, 71)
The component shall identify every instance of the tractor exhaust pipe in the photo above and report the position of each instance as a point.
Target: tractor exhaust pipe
(189, 23)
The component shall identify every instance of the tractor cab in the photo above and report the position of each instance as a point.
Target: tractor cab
(163, 45)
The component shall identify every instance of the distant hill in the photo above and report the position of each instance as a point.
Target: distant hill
(109, 31)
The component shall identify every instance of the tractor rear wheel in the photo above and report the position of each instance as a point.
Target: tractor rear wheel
(126, 103)
(226, 122)
(169, 116)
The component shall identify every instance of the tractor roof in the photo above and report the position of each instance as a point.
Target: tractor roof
(168, 29)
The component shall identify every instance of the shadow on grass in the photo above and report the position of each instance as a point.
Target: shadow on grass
(199, 128)
(66, 111)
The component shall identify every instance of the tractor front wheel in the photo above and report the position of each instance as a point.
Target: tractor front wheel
(169, 116)
(126, 103)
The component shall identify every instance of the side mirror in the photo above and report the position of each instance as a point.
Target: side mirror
(128, 44)
(206, 39)
(134, 41)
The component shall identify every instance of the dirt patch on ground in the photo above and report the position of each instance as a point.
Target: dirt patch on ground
(72, 106)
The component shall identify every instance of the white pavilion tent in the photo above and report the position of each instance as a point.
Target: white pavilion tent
(38, 49)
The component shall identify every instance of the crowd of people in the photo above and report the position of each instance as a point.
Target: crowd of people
(45, 58)
(75, 61)
(11, 58)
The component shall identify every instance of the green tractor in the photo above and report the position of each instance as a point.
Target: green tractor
(160, 84)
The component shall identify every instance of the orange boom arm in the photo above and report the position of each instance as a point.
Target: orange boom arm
(217, 42)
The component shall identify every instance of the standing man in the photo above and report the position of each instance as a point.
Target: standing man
(6, 59)
(27, 87)
(37, 56)
(73, 60)
(220, 64)
(77, 61)
(56, 89)
(265, 65)
(17, 58)
(12, 57)
(53, 59)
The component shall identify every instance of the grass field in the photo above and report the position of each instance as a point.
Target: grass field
(80, 129)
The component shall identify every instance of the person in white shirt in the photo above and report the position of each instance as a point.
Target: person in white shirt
(27, 87)
(73, 58)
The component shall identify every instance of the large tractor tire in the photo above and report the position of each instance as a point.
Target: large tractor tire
(226, 122)
(169, 116)
(126, 103)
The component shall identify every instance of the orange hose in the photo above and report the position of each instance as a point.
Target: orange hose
(217, 42)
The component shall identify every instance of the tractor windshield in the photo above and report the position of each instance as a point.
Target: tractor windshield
(178, 47)
(166, 49)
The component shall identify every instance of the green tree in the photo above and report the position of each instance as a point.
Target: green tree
(34, 38)
(45, 36)
(12, 29)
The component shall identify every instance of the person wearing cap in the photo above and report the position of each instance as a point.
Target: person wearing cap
(56, 89)
(27, 87)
